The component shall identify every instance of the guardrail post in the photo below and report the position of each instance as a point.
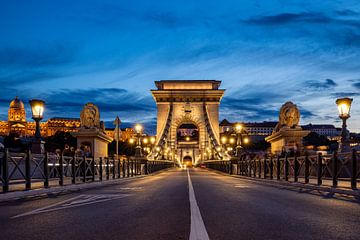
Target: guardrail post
(113, 168)
(124, 168)
(286, 166)
(61, 171)
(354, 170)
(335, 169)
(27, 171)
(319, 170)
(230, 168)
(271, 168)
(73, 170)
(93, 169)
(5, 171)
(107, 169)
(118, 168)
(307, 168)
(259, 168)
(100, 168)
(84, 167)
(128, 167)
(265, 167)
(146, 167)
(46, 170)
(278, 168)
(296, 169)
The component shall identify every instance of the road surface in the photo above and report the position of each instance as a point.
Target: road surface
(182, 204)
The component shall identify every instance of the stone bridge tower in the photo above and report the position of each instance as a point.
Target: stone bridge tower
(188, 119)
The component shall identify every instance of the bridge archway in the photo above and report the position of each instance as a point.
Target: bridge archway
(181, 102)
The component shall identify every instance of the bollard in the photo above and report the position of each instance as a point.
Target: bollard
(335, 169)
(27, 171)
(5, 171)
(354, 174)
(319, 169)
(46, 170)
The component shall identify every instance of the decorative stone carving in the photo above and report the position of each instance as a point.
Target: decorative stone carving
(289, 116)
(287, 135)
(92, 132)
(90, 116)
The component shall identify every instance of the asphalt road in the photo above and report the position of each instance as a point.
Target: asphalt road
(162, 207)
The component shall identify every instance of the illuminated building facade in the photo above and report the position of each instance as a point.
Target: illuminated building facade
(17, 124)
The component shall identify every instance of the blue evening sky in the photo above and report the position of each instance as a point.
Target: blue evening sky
(111, 52)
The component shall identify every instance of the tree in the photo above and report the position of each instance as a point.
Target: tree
(59, 140)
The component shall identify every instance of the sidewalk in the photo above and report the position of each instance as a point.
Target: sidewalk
(39, 191)
(299, 185)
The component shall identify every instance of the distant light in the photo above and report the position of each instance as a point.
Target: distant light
(138, 128)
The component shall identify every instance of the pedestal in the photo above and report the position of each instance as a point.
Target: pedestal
(96, 139)
(287, 139)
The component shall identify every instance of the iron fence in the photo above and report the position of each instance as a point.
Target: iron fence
(22, 170)
(344, 167)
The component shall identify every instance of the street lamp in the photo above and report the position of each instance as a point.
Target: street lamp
(344, 105)
(238, 130)
(138, 134)
(37, 110)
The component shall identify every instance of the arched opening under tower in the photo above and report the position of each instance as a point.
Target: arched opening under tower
(187, 138)
(187, 161)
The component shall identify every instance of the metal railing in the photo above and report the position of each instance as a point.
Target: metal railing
(23, 170)
(317, 169)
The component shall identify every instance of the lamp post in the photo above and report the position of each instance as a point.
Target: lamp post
(37, 110)
(344, 105)
(238, 130)
(138, 134)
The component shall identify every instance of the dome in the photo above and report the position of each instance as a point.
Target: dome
(17, 103)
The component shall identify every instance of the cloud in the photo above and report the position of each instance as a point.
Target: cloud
(320, 85)
(344, 94)
(59, 54)
(111, 101)
(27, 76)
(286, 18)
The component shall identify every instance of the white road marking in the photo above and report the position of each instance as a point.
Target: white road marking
(197, 229)
(241, 186)
(78, 201)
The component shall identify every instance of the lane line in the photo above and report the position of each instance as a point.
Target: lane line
(197, 229)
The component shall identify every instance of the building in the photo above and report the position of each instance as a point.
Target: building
(255, 130)
(328, 130)
(17, 123)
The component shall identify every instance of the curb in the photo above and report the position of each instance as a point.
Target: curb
(44, 192)
(276, 183)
